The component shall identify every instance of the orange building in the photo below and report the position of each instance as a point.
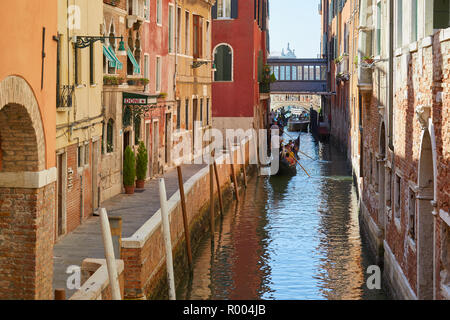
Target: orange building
(27, 143)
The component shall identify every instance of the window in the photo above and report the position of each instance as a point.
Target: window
(146, 69)
(388, 187)
(198, 36)
(110, 136)
(399, 23)
(294, 73)
(186, 33)
(414, 19)
(311, 72)
(201, 111)
(397, 196)
(158, 12)
(147, 10)
(306, 73)
(158, 74)
(78, 66)
(223, 59)
(300, 72)
(91, 65)
(276, 71)
(441, 14)
(171, 28)
(178, 114)
(80, 156)
(317, 72)
(288, 73)
(208, 38)
(224, 8)
(178, 24)
(282, 73)
(323, 73)
(86, 154)
(186, 114)
(412, 214)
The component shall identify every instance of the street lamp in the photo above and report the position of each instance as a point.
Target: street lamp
(86, 41)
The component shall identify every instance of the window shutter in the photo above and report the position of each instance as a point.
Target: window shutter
(214, 11)
(234, 9)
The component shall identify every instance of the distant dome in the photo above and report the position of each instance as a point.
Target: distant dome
(284, 54)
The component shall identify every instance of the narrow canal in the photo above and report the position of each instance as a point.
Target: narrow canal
(289, 238)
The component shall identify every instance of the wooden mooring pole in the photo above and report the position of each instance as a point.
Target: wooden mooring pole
(244, 164)
(218, 187)
(167, 239)
(211, 198)
(185, 220)
(233, 173)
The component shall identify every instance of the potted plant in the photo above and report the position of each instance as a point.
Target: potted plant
(141, 165)
(129, 170)
(107, 80)
(144, 81)
(162, 95)
(131, 82)
(368, 60)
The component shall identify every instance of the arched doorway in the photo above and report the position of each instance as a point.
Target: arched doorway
(27, 196)
(381, 176)
(425, 220)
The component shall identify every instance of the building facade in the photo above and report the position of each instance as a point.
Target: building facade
(400, 156)
(78, 112)
(191, 45)
(240, 50)
(27, 158)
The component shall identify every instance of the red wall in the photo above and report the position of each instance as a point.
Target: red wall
(237, 98)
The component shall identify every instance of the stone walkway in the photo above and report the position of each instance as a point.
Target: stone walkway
(86, 240)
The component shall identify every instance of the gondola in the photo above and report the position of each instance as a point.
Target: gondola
(285, 168)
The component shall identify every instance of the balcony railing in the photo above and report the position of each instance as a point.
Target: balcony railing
(64, 96)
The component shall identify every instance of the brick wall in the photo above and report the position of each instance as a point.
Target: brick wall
(143, 253)
(26, 246)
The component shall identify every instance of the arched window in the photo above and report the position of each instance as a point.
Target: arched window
(223, 60)
(110, 136)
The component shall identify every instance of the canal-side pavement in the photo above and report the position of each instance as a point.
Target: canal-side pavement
(86, 240)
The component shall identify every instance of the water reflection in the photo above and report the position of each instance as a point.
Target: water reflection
(289, 238)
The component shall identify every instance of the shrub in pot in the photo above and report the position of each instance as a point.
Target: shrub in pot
(141, 165)
(129, 170)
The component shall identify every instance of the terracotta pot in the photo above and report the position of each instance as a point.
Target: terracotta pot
(140, 184)
(129, 189)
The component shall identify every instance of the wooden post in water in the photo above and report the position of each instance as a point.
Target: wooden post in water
(185, 220)
(211, 197)
(218, 187)
(233, 173)
(167, 239)
(245, 162)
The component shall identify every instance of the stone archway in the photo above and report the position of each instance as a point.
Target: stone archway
(27, 200)
(381, 161)
(425, 220)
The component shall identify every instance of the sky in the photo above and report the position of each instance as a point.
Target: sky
(296, 22)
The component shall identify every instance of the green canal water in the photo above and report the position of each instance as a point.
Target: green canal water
(289, 238)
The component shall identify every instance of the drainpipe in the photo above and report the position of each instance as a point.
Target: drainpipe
(390, 74)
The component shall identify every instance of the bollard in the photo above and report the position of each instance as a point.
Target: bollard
(243, 166)
(218, 187)
(167, 239)
(109, 254)
(211, 198)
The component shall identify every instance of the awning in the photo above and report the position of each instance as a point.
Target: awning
(135, 99)
(114, 62)
(136, 69)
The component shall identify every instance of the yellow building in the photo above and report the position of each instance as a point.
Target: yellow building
(79, 110)
(192, 43)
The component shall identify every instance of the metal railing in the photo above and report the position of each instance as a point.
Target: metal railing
(64, 96)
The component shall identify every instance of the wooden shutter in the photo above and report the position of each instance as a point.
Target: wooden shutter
(234, 9)
(195, 35)
(214, 11)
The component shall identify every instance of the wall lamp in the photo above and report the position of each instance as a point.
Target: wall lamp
(86, 41)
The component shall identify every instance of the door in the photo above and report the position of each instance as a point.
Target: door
(155, 147)
(194, 126)
(60, 197)
(126, 140)
(95, 186)
(147, 146)
(168, 138)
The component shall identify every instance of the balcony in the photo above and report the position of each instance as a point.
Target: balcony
(342, 68)
(64, 97)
